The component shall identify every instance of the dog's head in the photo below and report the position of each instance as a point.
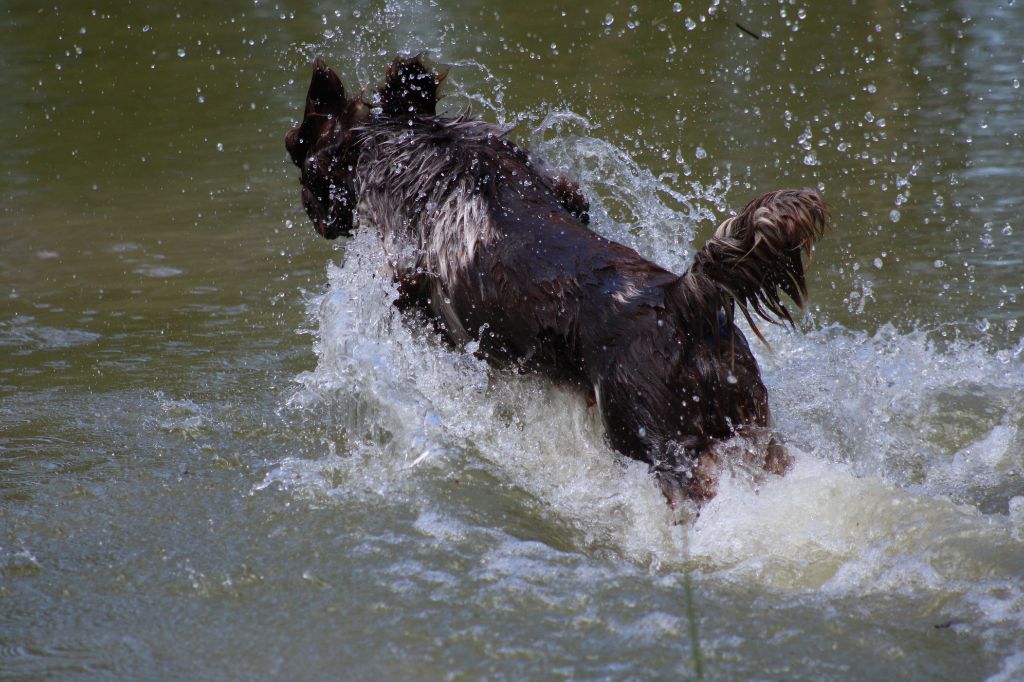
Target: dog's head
(325, 144)
(321, 146)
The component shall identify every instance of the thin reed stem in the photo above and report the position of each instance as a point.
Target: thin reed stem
(696, 656)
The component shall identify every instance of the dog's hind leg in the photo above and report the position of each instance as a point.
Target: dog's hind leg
(757, 452)
(763, 451)
(638, 425)
(696, 481)
(752, 452)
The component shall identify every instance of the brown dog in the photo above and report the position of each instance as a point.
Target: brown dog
(498, 252)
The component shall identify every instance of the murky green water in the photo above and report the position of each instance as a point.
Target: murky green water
(208, 437)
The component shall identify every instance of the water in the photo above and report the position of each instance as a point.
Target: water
(223, 454)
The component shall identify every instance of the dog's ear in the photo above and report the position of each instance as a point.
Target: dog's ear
(325, 104)
(410, 88)
(326, 93)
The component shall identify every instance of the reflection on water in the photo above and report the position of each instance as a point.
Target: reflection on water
(188, 484)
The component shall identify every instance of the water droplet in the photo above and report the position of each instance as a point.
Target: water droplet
(1007, 230)
(690, 24)
(700, 153)
(894, 215)
(220, 146)
(811, 159)
(642, 432)
(677, 7)
(609, 20)
(181, 52)
(1016, 83)
(939, 263)
(146, 29)
(877, 263)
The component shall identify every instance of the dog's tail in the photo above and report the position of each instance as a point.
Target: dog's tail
(751, 256)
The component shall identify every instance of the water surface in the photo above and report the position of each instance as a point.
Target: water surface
(223, 453)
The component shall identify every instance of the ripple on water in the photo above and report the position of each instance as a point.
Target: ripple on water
(22, 331)
(158, 271)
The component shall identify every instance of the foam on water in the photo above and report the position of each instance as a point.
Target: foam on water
(909, 475)
(941, 421)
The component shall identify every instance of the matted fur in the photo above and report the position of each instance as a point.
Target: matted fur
(497, 251)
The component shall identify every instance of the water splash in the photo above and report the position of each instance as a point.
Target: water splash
(628, 203)
(909, 453)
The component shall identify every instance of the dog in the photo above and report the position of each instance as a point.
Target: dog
(497, 251)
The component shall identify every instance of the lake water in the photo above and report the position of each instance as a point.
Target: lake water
(223, 454)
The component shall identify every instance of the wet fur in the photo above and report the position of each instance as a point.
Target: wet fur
(498, 252)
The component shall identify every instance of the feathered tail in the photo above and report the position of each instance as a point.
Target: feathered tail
(754, 254)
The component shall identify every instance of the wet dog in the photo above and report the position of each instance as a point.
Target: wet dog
(498, 252)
